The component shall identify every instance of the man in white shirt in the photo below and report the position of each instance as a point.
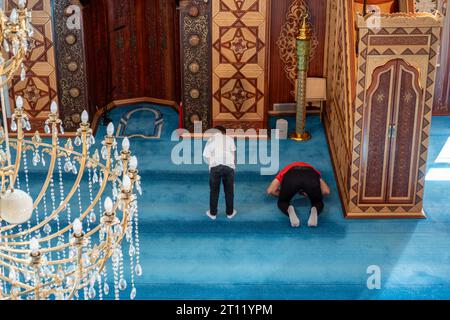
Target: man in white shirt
(219, 153)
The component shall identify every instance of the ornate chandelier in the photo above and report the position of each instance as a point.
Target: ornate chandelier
(59, 242)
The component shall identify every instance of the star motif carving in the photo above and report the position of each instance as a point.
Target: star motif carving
(239, 95)
(32, 94)
(238, 45)
(407, 97)
(241, 43)
(380, 97)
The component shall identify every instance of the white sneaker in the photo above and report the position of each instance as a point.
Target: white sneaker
(212, 217)
(295, 221)
(231, 216)
(313, 218)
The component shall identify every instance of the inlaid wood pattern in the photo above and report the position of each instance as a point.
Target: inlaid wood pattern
(239, 61)
(405, 142)
(378, 119)
(339, 111)
(40, 86)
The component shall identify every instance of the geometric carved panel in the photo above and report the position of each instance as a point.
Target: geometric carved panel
(239, 62)
(39, 88)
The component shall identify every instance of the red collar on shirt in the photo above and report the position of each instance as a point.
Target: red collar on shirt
(280, 175)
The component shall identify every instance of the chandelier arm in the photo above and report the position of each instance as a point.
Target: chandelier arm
(88, 210)
(61, 206)
(25, 262)
(13, 259)
(106, 174)
(4, 264)
(49, 218)
(47, 250)
(62, 150)
(100, 264)
(30, 289)
(16, 283)
(62, 231)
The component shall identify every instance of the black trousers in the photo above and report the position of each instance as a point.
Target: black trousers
(226, 175)
(300, 180)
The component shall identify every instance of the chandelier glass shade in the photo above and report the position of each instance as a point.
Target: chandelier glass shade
(68, 207)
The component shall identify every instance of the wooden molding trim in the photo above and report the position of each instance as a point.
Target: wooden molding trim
(390, 215)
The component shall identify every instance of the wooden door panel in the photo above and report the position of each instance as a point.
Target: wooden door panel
(377, 120)
(404, 145)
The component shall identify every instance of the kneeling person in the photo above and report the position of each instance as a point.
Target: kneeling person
(302, 178)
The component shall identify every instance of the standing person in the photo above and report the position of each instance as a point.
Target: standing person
(302, 178)
(220, 155)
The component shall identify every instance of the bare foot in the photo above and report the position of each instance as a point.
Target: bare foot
(313, 218)
(295, 221)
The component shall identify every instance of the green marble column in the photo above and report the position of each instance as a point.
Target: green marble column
(303, 53)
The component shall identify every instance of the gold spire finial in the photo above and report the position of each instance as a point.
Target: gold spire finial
(305, 29)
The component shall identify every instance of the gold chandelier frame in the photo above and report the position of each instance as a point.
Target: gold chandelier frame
(19, 252)
(109, 219)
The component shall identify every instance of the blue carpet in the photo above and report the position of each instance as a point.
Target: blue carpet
(258, 256)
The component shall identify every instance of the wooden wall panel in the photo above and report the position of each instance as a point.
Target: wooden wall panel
(96, 35)
(40, 86)
(240, 40)
(281, 87)
(124, 51)
(132, 50)
(338, 118)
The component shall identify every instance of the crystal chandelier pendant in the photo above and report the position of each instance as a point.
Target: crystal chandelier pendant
(6, 46)
(23, 74)
(133, 294)
(13, 125)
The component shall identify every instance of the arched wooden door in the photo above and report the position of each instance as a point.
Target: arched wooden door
(392, 118)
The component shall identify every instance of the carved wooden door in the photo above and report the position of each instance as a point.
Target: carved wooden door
(392, 126)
